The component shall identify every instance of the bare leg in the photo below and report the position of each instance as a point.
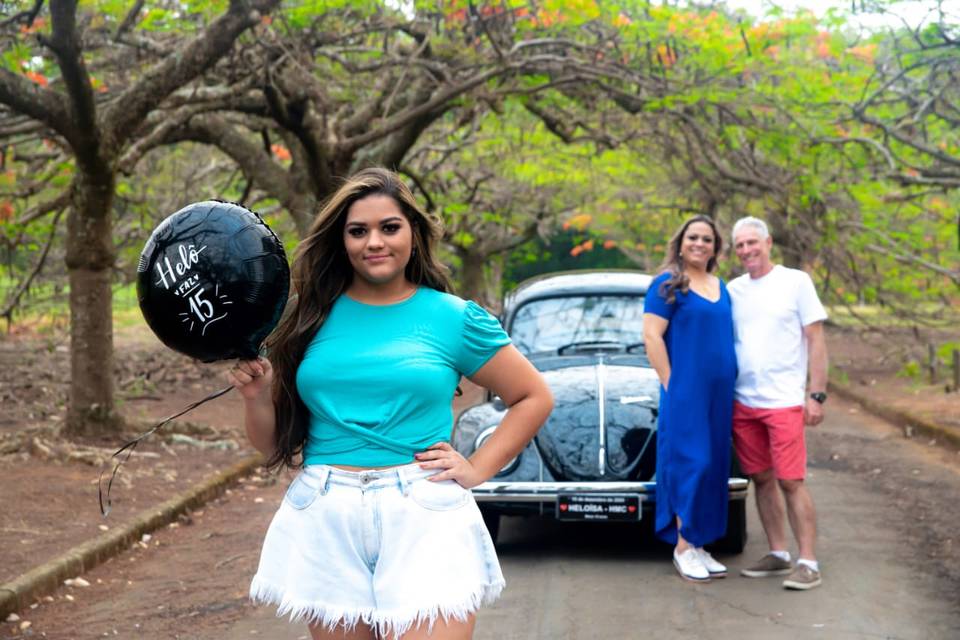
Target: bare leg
(770, 508)
(802, 515)
(360, 632)
(682, 545)
(451, 629)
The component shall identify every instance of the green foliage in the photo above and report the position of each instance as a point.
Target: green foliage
(839, 375)
(911, 369)
(945, 351)
(716, 97)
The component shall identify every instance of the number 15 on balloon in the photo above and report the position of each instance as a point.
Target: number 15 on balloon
(202, 309)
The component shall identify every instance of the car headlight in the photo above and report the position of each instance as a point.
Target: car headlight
(482, 437)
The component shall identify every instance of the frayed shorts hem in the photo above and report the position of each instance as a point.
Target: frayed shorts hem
(388, 624)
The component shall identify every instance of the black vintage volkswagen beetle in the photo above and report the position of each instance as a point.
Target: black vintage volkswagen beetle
(595, 458)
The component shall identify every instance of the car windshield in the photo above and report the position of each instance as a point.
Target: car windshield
(555, 323)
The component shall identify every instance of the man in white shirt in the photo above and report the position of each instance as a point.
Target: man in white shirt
(778, 325)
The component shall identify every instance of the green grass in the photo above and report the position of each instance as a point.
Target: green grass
(126, 309)
(46, 311)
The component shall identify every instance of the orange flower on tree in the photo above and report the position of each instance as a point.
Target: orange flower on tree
(98, 86)
(460, 15)
(865, 52)
(6, 212)
(36, 25)
(667, 55)
(547, 18)
(578, 222)
(280, 152)
(587, 245)
(37, 78)
(823, 45)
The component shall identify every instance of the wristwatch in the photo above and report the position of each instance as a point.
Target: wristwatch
(819, 396)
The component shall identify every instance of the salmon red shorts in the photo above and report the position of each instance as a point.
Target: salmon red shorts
(770, 439)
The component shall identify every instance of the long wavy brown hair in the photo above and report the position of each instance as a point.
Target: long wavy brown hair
(321, 272)
(673, 261)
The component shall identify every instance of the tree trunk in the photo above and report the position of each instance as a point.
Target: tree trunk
(785, 238)
(494, 281)
(90, 259)
(303, 209)
(475, 278)
(96, 141)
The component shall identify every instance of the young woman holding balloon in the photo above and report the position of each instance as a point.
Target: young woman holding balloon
(378, 536)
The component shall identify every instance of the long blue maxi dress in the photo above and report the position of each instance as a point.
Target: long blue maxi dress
(695, 421)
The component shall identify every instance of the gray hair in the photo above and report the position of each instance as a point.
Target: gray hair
(750, 221)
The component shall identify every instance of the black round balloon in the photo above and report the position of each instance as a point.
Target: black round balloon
(213, 281)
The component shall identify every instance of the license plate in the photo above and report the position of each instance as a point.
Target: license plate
(604, 506)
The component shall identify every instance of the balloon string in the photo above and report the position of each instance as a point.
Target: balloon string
(130, 446)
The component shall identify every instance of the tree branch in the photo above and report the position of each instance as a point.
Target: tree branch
(65, 45)
(41, 209)
(401, 119)
(130, 19)
(27, 16)
(14, 299)
(35, 102)
(132, 106)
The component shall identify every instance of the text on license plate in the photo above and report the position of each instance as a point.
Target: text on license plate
(605, 506)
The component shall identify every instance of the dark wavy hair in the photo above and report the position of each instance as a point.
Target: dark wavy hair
(673, 261)
(321, 272)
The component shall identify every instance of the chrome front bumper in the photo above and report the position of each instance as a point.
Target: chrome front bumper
(493, 491)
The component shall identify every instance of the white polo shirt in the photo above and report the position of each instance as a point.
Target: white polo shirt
(769, 315)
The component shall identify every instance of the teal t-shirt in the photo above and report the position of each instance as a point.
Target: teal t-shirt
(379, 379)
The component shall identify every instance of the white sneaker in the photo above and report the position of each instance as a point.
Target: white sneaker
(690, 567)
(714, 568)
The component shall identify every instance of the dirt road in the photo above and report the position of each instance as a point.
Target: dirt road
(888, 546)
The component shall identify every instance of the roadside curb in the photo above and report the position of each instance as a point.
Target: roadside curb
(43, 580)
(20, 593)
(898, 417)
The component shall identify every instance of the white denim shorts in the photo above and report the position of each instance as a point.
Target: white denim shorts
(387, 548)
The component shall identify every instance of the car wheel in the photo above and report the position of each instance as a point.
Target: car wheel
(492, 520)
(736, 537)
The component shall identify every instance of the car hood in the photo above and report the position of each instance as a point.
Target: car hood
(603, 425)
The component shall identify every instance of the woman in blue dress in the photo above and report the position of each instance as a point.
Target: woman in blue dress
(688, 330)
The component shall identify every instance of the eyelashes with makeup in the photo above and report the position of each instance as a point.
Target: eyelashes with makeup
(707, 239)
(358, 232)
